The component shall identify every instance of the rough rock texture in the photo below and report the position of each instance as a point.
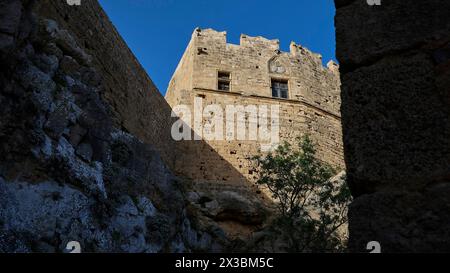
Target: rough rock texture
(135, 103)
(395, 71)
(67, 172)
(229, 213)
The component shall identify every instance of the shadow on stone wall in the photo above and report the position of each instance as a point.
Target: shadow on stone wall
(139, 108)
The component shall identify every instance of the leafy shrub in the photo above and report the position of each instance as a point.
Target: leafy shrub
(312, 208)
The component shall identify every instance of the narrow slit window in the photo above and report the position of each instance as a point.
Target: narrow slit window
(224, 81)
(279, 89)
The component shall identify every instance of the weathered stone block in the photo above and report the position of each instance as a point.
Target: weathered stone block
(391, 110)
(396, 122)
(382, 30)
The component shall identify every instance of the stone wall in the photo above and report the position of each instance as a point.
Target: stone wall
(312, 107)
(250, 66)
(395, 71)
(136, 104)
(296, 119)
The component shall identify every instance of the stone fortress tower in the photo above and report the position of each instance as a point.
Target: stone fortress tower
(255, 72)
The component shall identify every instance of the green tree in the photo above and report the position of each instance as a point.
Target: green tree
(312, 208)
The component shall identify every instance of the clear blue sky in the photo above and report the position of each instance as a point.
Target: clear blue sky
(158, 31)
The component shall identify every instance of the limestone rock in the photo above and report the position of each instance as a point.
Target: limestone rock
(229, 205)
(69, 65)
(47, 63)
(66, 172)
(84, 150)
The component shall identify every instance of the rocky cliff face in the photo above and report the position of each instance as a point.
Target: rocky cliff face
(67, 170)
(136, 104)
(395, 71)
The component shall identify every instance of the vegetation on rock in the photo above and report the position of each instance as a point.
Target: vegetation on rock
(312, 206)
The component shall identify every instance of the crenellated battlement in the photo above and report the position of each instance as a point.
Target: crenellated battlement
(210, 34)
(251, 67)
(219, 39)
(259, 42)
(245, 40)
(297, 50)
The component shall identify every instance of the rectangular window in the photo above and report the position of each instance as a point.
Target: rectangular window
(279, 89)
(224, 81)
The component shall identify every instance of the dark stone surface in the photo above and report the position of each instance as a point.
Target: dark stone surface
(135, 103)
(392, 27)
(395, 74)
(393, 112)
(413, 221)
(10, 14)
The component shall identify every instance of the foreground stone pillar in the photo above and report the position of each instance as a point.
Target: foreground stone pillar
(395, 72)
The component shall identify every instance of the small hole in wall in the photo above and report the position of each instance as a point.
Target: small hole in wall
(257, 67)
(87, 45)
(201, 51)
(56, 196)
(203, 200)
